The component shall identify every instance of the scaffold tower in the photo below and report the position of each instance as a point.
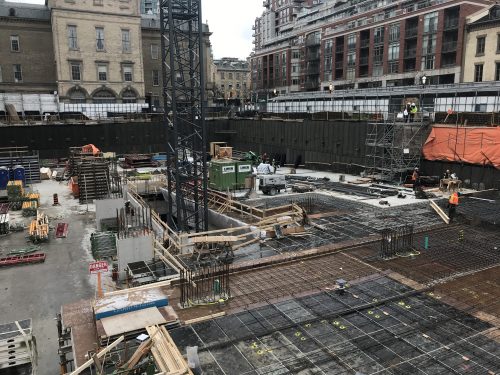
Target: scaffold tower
(184, 113)
(394, 147)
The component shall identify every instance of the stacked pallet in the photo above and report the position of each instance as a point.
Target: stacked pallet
(39, 228)
(78, 155)
(15, 194)
(93, 179)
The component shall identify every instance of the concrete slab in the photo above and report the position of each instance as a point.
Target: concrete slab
(38, 291)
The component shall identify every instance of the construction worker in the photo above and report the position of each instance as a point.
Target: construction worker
(415, 178)
(413, 111)
(452, 205)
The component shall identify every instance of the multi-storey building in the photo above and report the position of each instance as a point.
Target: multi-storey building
(26, 49)
(232, 78)
(86, 51)
(334, 44)
(98, 50)
(482, 41)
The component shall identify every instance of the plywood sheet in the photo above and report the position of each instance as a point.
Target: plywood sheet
(132, 321)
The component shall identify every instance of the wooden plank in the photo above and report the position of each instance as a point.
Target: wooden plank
(214, 239)
(120, 324)
(440, 212)
(204, 318)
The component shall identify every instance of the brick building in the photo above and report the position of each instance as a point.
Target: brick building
(358, 44)
(26, 49)
(232, 78)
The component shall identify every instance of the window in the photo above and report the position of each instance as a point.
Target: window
(498, 43)
(14, 43)
(393, 52)
(480, 46)
(230, 76)
(155, 51)
(129, 96)
(429, 44)
(295, 54)
(126, 41)
(378, 54)
(478, 73)
(99, 36)
(394, 32)
(351, 41)
(351, 59)
(1, 74)
(102, 72)
(72, 37)
(377, 71)
(430, 22)
(127, 73)
(222, 75)
(350, 74)
(480, 108)
(295, 81)
(76, 71)
(497, 72)
(428, 62)
(379, 35)
(156, 101)
(18, 73)
(156, 78)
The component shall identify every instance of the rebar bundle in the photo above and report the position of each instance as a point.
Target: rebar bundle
(103, 245)
(396, 241)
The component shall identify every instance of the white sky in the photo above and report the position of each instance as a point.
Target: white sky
(230, 22)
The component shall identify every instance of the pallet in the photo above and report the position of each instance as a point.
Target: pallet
(22, 259)
(62, 230)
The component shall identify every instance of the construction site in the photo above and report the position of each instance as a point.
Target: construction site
(342, 244)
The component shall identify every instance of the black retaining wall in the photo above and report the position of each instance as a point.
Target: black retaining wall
(331, 145)
(53, 141)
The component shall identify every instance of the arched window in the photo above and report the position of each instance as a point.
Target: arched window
(77, 96)
(129, 96)
(104, 96)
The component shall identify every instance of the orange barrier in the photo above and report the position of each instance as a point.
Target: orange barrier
(90, 148)
(473, 145)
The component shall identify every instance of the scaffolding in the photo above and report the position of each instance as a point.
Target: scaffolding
(393, 147)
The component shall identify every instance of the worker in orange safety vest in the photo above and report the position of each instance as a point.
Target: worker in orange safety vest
(452, 205)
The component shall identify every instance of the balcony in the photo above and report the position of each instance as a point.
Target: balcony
(450, 46)
(411, 32)
(451, 23)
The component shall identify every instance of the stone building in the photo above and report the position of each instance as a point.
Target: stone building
(482, 46)
(232, 78)
(26, 49)
(98, 49)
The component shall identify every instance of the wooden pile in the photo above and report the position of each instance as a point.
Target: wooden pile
(139, 161)
(29, 208)
(39, 228)
(166, 355)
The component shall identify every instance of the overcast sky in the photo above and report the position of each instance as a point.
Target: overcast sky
(230, 21)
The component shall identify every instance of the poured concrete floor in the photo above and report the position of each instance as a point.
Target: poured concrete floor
(37, 291)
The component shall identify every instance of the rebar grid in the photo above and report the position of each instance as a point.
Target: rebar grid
(378, 326)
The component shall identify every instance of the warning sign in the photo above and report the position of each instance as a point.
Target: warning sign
(96, 267)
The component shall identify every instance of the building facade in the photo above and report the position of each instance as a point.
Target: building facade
(232, 78)
(333, 44)
(98, 50)
(482, 41)
(87, 51)
(26, 49)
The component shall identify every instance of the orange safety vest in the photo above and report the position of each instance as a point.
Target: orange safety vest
(454, 199)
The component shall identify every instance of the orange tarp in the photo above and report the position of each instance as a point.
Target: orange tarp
(474, 145)
(91, 148)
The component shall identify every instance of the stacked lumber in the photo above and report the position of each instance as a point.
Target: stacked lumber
(166, 355)
(39, 228)
(93, 179)
(139, 161)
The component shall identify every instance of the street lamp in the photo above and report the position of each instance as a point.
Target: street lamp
(424, 80)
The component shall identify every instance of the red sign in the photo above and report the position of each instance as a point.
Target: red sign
(96, 267)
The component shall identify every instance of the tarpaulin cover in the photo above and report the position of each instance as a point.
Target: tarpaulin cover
(91, 148)
(474, 145)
